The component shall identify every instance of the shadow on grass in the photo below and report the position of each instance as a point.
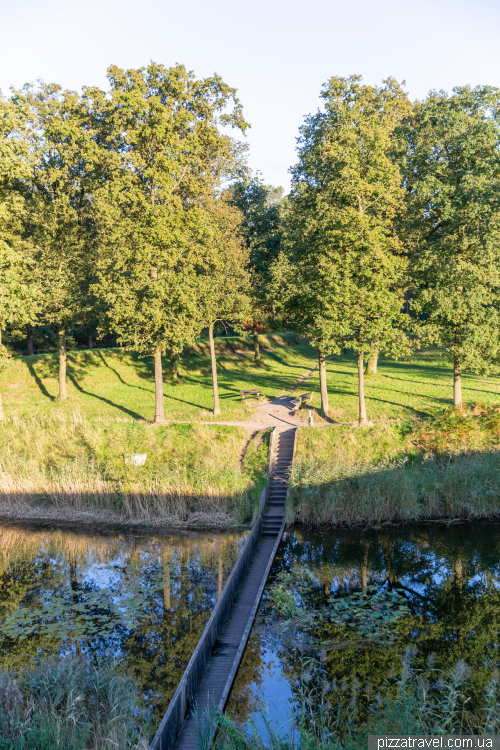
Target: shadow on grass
(39, 381)
(108, 401)
(124, 382)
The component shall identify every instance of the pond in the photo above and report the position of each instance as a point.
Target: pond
(344, 608)
(142, 599)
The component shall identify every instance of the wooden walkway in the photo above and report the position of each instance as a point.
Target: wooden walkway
(215, 686)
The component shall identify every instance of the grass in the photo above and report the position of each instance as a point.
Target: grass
(193, 473)
(446, 467)
(332, 716)
(114, 384)
(69, 703)
(72, 452)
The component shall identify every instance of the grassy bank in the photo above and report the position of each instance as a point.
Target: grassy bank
(446, 467)
(193, 473)
(70, 703)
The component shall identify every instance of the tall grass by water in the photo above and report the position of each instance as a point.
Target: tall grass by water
(339, 716)
(193, 473)
(70, 703)
(448, 467)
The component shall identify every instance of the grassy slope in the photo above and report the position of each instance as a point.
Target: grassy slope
(112, 383)
(193, 473)
(444, 467)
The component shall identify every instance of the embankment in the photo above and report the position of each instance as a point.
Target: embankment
(447, 467)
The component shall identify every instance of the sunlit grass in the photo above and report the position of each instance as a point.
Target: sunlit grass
(193, 473)
(446, 467)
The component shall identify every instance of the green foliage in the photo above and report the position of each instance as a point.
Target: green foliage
(451, 168)
(57, 195)
(342, 268)
(260, 206)
(157, 213)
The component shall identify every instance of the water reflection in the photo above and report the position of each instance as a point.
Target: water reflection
(143, 599)
(447, 581)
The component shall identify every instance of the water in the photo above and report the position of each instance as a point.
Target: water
(142, 599)
(441, 582)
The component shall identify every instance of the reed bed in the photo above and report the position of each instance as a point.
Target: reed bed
(448, 468)
(192, 475)
(71, 703)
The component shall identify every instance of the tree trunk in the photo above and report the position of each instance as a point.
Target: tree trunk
(62, 361)
(214, 368)
(90, 343)
(173, 374)
(256, 343)
(159, 406)
(371, 364)
(30, 347)
(457, 384)
(322, 384)
(361, 378)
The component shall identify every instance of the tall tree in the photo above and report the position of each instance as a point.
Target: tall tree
(224, 280)
(162, 128)
(260, 206)
(57, 198)
(345, 261)
(452, 173)
(18, 298)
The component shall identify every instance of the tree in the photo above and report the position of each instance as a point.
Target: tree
(57, 196)
(260, 206)
(162, 128)
(18, 301)
(345, 264)
(452, 171)
(224, 281)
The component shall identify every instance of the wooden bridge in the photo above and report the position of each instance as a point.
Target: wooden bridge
(210, 674)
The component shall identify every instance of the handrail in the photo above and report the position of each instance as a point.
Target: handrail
(182, 700)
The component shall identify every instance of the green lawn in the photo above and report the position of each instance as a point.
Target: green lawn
(117, 384)
(420, 385)
(111, 383)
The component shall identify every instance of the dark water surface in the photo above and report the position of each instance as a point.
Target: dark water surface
(439, 588)
(143, 599)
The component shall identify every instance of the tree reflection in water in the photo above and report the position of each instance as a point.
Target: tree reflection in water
(142, 599)
(447, 580)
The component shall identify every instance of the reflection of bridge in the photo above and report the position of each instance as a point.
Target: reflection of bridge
(210, 674)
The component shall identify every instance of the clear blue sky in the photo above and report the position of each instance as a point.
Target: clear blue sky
(277, 53)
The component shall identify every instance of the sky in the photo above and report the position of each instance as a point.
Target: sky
(277, 53)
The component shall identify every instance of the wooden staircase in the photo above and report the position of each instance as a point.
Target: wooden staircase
(275, 512)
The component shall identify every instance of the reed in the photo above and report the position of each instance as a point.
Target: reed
(327, 715)
(193, 474)
(72, 703)
(448, 467)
